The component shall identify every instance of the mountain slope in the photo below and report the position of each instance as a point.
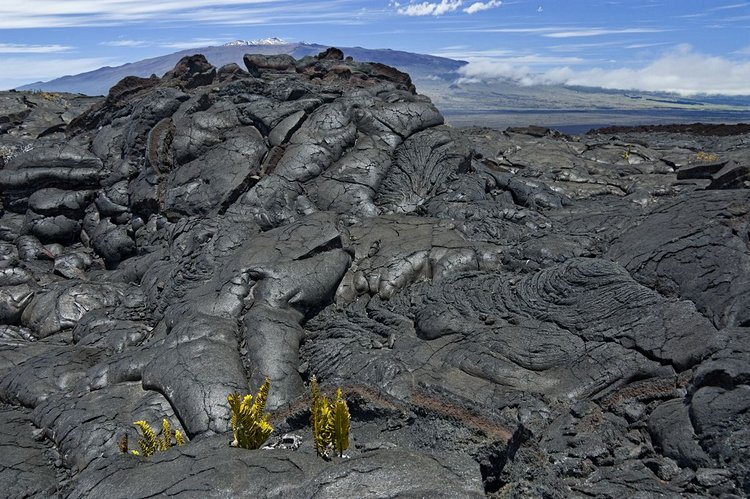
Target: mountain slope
(99, 81)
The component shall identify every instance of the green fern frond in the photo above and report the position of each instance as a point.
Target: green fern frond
(148, 443)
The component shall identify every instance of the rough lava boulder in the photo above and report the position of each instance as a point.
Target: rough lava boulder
(509, 313)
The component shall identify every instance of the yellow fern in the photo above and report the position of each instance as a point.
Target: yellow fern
(330, 421)
(706, 157)
(342, 420)
(165, 442)
(148, 443)
(318, 418)
(250, 426)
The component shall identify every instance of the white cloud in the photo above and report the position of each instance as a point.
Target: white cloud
(682, 71)
(601, 31)
(507, 30)
(21, 72)
(72, 13)
(579, 47)
(645, 45)
(197, 43)
(732, 6)
(487, 69)
(454, 47)
(488, 57)
(126, 43)
(480, 6)
(430, 8)
(466, 53)
(442, 7)
(14, 48)
(517, 69)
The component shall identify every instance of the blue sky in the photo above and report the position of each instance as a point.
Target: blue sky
(687, 46)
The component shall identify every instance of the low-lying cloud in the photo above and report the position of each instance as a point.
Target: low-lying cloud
(682, 71)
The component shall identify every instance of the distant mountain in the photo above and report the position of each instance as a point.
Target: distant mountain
(499, 103)
(99, 81)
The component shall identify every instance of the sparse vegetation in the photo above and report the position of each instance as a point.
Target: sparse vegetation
(330, 421)
(250, 425)
(706, 157)
(49, 96)
(149, 443)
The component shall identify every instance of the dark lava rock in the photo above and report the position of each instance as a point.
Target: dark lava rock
(29, 470)
(274, 473)
(513, 313)
(331, 53)
(192, 71)
(720, 130)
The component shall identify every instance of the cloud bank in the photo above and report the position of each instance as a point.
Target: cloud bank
(682, 71)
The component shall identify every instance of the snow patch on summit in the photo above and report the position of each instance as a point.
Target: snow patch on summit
(260, 41)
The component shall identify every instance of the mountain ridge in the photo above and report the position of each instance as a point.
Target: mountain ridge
(99, 81)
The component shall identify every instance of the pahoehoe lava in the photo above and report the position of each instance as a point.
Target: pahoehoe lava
(515, 313)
